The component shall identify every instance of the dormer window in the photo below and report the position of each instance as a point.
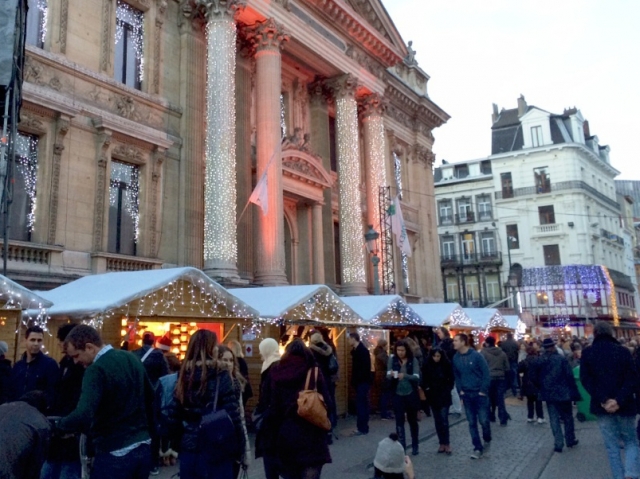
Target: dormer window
(536, 136)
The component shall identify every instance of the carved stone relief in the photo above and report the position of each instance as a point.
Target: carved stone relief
(103, 143)
(365, 61)
(105, 49)
(154, 227)
(62, 128)
(364, 8)
(64, 20)
(41, 75)
(129, 154)
(31, 124)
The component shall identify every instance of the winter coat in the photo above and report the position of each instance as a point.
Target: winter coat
(5, 380)
(154, 364)
(24, 435)
(510, 348)
(248, 390)
(195, 406)
(553, 378)
(607, 371)
(361, 370)
(322, 353)
(525, 368)
(299, 443)
(381, 357)
(447, 346)
(437, 382)
(266, 434)
(497, 361)
(41, 374)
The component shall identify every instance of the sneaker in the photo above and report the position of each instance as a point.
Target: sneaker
(541, 421)
(557, 449)
(476, 454)
(155, 471)
(532, 420)
(487, 445)
(357, 433)
(573, 444)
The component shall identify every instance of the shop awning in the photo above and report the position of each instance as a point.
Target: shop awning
(153, 293)
(309, 304)
(439, 314)
(385, 311)
(14, 296)
(487, 318)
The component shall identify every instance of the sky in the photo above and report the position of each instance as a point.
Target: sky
(557, 53)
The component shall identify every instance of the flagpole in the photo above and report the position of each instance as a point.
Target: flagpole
(266, 169)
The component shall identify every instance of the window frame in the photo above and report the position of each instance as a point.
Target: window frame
(122, 45)
(548, 255)
(546, 215)
(510, 234)
(136, 175)
(536, 136)
(36, 15)
(542, 179)
(506, 184)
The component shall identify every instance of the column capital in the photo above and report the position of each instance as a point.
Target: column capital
(319, 94)
(343, 86)
(268, 35)
(371, 105)
(216, 9)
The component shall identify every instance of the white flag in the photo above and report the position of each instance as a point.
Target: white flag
(260, 195)
(398, 227)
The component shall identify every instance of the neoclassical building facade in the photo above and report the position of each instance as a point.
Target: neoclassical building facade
(146, 125)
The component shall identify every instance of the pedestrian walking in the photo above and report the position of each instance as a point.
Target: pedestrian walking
(499, 368)
(263, 420)
(608, 374)
(63, 458)
(553, 379)
(404, 372)
(511, 349)
(361, 382)
(5, 373)
(301, 446)
(473, 380)
(114, 406)
(35, 371)
(203, 387)
(381, 383)
(576, 355)
(446, 344)
(437, 381)
(243, 369)
(525, 369)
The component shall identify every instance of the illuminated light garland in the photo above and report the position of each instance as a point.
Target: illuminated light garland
(27, 165)
(397, 313)
(220, 242)
(128, 175)
(397, 163)
(44, 12)
(126, 14)
(612, 296)
(283, 120)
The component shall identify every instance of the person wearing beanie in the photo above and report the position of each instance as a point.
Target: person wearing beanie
(328, 364)
(164, 344)
(390, 461)
(5, 373)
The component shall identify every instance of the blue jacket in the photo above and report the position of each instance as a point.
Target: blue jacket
(40, 374)
(471, 372)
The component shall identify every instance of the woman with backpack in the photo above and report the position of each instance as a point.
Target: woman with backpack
(404, 372)
(301, 446)
(201, 388)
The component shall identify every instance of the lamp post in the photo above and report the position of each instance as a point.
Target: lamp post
(371, 238)
(513, 283)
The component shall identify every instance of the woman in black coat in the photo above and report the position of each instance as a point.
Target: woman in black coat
(525, 367)
(301, 446)
(437, 382)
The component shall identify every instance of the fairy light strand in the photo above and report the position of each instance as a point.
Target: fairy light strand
(126, 176)
(27, 166)
(131, 18)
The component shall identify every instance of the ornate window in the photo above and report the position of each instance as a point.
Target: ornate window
(37, 22)
(124, 208)
(129, 45)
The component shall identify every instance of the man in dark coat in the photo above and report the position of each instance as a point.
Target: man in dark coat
(361, 382)
(5, 373)
(511, 348)
(382, 385)
(609, 376)
(446, 344)
(553, 379)
(35, 371)
(498, 367)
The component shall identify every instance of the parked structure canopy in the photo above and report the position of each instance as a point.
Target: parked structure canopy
(385, 311)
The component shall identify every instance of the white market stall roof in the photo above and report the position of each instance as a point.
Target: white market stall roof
(14, 296)
(487, 318)
(438, 314)
(512, 320)
(384, 310)
(99, 294)
(313, 304)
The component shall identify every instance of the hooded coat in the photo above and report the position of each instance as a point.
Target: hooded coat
(438, 381)
(553, 378)
(322, 353)
(526, 368)
(497, 361)
(298, 442)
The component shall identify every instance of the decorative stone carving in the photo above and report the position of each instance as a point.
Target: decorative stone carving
(366, 61)
(62, 128)
(157, 44)
(31, 124)
(303, 166)
(103, 144)
(64, 20)
(268, 35)
(371, 105)
(364, 8)
(410, 59)
(285, 4)
(159, 157)
(105, 50)
(319, 94)
(343, 86)
(128, 153)
(125, 107)
(217, 8)
(298, 141)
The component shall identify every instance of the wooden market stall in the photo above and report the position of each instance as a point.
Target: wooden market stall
(15, 300)
(174, 302)
(490, 323)
(287, 312)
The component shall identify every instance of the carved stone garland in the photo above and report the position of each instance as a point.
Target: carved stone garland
(62, 128)
(104, 141)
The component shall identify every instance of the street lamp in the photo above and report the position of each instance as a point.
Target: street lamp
(371, 238)
(513, 283)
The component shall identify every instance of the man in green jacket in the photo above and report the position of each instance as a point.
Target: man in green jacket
(114, 409)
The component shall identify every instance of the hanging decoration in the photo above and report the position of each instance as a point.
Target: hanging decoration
(125, 176)
(612, 297)
(27, 166)
(397, 163)
(283, 118)
(131, 21)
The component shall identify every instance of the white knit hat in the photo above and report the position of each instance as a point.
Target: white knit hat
(390, 456)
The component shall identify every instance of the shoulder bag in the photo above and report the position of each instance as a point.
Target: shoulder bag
(217, 439)
(311, 405)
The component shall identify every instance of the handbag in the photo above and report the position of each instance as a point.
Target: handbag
(217, 439)
(311, 405)
(422, 394)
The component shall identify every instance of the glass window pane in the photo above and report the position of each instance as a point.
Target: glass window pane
(124, 214)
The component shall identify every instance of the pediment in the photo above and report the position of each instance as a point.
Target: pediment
(306, 168)
(376, 15)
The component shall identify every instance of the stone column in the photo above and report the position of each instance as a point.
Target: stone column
(268, 38)
(348, 148)
(375, 147)
(318, 246)
(220, 243)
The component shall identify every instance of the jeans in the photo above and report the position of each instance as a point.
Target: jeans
(362, 407)
(194, 465)
(310, 472)
(614, 429)
(333, 411)
(561, 411)
(497, 389)
(532, 400)
(135, 465)
(456, 405)
(476, 408)
(441, 419)
(386, 398)
(61, 470)
(513, 378)
(406, 405)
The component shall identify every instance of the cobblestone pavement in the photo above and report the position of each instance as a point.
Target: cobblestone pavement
(518, 451)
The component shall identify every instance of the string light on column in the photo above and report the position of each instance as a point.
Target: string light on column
(397, 168)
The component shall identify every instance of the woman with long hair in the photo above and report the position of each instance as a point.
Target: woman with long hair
(404, 372)
(196, 388)
(437, 381)
(228, 362)
(529, 390)
(238, 352)
(301, 446)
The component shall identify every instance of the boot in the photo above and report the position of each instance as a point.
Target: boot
(414, 444)
(401, 438)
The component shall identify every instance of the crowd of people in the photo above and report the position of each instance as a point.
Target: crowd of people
(103, 412)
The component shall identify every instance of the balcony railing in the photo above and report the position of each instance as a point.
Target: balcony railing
(472, 259)
(468, 217)
(485, 216)
(560, 186)
(446, 220)
(550, 229)
(612, 237)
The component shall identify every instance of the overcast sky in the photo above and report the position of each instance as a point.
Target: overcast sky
(557, 53)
